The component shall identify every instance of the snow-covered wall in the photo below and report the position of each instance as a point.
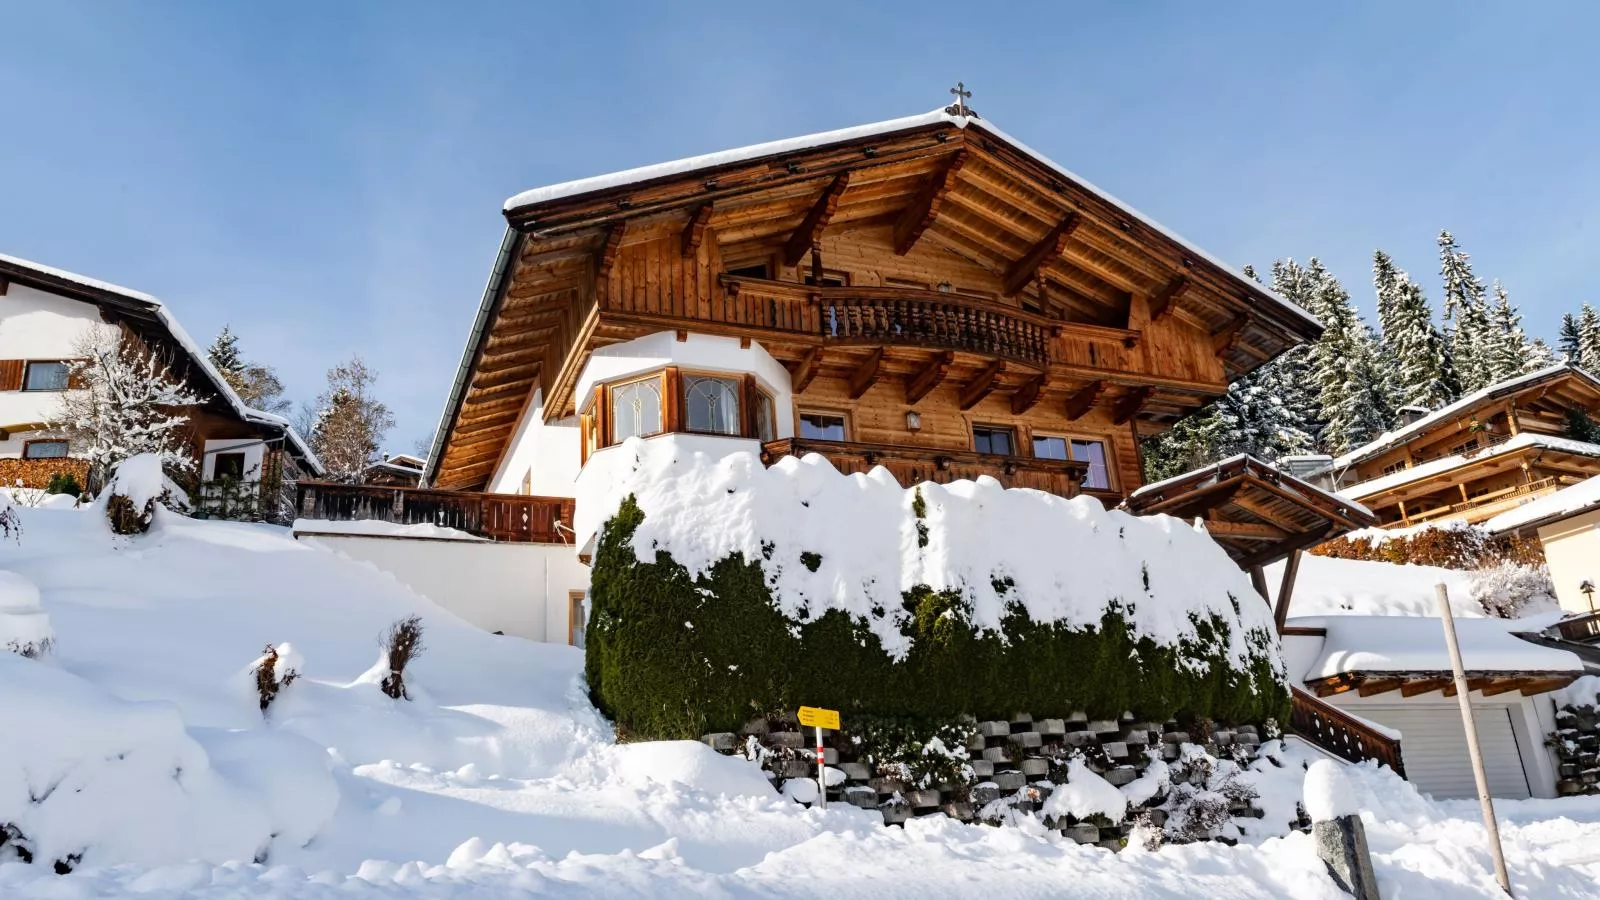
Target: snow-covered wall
(518, 589)
(610, 466)
(254, 451)
(549, 454)
(39, 326)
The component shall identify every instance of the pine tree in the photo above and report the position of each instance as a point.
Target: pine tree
(349, 422)
(1540, 356)
(126, 402)
(1345, 367)
(1588, 339)
(1386, 280)
(256, 384)
(224, 354)
(1419, 364)
(1505, 344)
(1466, 318)
(1568, 338)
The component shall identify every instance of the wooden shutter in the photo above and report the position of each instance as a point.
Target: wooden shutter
(75, 380)
(11, 374)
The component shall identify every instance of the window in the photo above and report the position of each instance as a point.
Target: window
(44, 450)
(228, 465)
(711, 404)
(575, 619)
(990, 439)
(635, 409)
(766, 417)
(45, 376)
(753, 270)
(1048, 447)
(822, 426)
(1093, 453)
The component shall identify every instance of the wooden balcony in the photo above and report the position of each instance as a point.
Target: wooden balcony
(1489, 505)
(1340, 733)
(914, 465)
(512, 518)
(895, 316)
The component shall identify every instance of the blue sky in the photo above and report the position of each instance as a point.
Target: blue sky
(327, 177)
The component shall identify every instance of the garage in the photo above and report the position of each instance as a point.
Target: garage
(1433, 744)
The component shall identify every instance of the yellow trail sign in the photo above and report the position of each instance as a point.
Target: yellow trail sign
(814, 717)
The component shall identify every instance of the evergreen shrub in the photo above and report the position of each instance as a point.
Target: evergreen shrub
(670, 656)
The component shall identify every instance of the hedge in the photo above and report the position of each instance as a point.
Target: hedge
(670, 656)
(1450, 546)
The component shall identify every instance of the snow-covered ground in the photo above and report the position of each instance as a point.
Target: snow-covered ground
(138, 742)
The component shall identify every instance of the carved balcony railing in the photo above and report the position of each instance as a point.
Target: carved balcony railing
(1342, 734)
(904, 316)
(514, 518)
(914, 465)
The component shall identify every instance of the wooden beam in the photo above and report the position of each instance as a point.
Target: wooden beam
(802, 372)
(608, 258)
(1049, 247)
(1258, 580)
(1162, 302)
(1223, 528)
(799, 243)
(982, 385)
(866, 374)
(1291, 570)
(695, 231)
(923, 383)
(5, 285)
(1372, 686)
(1548, 684)
(1504, 686)
(1417, 686)
(1079, 404)
(1028, 395)
(1223, 341)
(1130, 404)
(924, 208)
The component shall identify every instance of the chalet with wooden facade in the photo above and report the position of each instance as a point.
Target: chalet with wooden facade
(1487, 453)
(249, 455)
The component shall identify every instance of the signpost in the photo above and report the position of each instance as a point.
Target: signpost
(815, 717)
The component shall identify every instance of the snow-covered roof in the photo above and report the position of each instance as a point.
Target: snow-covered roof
(1308, 487)
(569, 189)
(170, 324)
(1417, 644)
(1446, 463)
(1579, 498)
(1390, 439)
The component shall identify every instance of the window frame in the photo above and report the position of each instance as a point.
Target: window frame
(66, 451)
(1010, 430)
(576, 618)
(66, 375)
(843, 415)
(608, 392)
(598, 424)
(1106, 449)
(740, 391)
(216, 464)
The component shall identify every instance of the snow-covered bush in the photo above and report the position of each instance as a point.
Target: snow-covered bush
(24, 627)
(402, 643)
(10, 522)
(63, 483)
(722, 589)
(1508, 589)
(276, 668)
(138, 486)
(919, 753)
(1205, 791)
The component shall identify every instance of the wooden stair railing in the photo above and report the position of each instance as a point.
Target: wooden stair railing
(513, 518)
(1340, 733)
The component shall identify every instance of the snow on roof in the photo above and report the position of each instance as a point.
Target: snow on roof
(1338, 499)
(196, 355)
(820, 139)
(1445, 413)
(1446, 463)
(1569, 501)
(1416, 644)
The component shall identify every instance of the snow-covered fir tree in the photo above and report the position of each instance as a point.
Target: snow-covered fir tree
(125, 401)
(349, 422)
(1414, 351)
(1588, 339)
(1506, 346)
(256, 384)
(1466, 316)
(1568, 338)
(1539, 356)
(1345, 367)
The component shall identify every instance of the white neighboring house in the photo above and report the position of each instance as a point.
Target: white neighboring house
(44, 312)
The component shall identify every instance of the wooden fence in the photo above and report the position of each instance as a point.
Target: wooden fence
(514, 518)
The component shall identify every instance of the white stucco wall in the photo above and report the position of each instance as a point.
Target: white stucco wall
(518, 589)
(1572, 550)
(252, 448)
(700, 352)
(42, 326)
(552, 453)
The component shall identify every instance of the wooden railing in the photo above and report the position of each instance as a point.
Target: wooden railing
(893, 315)
(515, 518)
(1340, 733)
(1483, 504)
(914, 465)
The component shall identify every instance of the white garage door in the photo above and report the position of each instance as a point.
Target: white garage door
(1434, 747)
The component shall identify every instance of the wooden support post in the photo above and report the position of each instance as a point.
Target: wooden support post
(1291, 569)
(1258, 580)
(802, 372)
(981, 385)
(1463, 691)
(929, 378)
(866, 374)
(1079, 404)
(1049, 247)
(1028, 395)
(695, 231)
(811, 227)
(1130, 404)
(925, 208)
(1162, 302)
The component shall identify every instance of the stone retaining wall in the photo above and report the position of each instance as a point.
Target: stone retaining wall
(1015, 765)
(1576, 743)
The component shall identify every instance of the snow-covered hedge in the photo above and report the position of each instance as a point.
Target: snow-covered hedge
(724, 590)
(1451, 544)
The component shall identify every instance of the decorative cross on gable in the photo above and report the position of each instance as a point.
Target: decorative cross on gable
(960, 107)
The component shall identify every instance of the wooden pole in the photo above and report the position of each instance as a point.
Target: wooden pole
(1291, 570)
(1478, 775)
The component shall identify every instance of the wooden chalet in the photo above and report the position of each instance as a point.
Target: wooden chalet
(1485, 454)
(934, 296)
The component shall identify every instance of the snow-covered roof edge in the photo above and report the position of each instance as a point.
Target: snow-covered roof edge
(1299, 483)
(568, 189)
(196, 355)
(1391, 439)
(1446, 463)
(1569, 501)
(1400, 644)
